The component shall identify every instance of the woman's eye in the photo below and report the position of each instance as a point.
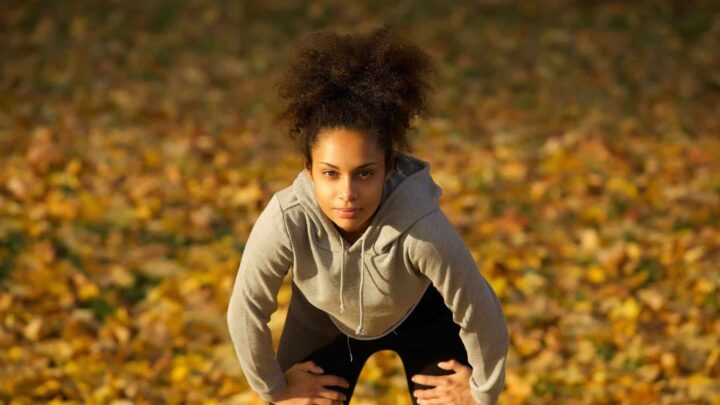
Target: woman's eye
(363, 173)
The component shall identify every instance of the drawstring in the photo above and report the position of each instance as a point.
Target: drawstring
(360, 329)
(342, 271)
(349, 350)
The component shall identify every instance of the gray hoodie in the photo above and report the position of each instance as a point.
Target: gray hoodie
(367, 288)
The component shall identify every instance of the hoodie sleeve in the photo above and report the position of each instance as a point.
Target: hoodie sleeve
(266, 260)
(437, 251)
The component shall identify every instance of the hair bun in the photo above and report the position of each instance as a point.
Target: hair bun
(374, 82)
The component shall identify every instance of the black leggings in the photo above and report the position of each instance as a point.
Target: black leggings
(427, 336)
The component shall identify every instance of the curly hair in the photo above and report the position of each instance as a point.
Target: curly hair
(374, 83)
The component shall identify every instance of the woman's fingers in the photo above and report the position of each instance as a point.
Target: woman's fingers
(323, 401)
(430, 380)
(316, 383)
(324, 379)
(332, 395)
(311, 367)
(433, 401)
(452, 365)
(430, 393)
(333, 380)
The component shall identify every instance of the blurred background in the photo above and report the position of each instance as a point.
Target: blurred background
(577, 144)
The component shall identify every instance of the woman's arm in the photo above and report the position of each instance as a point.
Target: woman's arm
(266, 260)
(436, 250)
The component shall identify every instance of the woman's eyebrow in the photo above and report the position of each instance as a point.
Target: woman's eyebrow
(359, 167)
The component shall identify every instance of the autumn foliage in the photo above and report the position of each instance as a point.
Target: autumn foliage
(577, 144)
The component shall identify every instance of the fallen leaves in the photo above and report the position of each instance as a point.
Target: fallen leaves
(579, 162)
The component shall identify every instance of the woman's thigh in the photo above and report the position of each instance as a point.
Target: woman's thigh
(345, 358)
(306, 330)
(428, 336)
(319, 340)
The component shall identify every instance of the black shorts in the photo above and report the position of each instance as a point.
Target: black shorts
(427, 336)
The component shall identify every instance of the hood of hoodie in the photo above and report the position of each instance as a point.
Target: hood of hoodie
(408, 195)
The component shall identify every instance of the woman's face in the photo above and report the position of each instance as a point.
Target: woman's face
(348, 171)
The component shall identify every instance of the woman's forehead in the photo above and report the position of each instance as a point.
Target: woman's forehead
(344, 144)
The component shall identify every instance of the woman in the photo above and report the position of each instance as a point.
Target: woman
(376, 263)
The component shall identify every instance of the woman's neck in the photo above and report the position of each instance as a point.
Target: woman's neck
(350, 238)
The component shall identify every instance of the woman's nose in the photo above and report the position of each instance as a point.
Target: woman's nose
(348, 192)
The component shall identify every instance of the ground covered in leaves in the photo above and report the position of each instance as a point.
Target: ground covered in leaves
(577, 143)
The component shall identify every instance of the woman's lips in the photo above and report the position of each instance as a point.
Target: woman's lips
(345, 213)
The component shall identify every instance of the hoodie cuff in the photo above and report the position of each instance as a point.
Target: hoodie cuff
(273, 393)
(482, 397)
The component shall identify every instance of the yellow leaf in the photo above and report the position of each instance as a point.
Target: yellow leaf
(594, 213)
(450, 183)
(91, 208)
(623, 186)
(629, 309)
(60, 207)
(513, 171)
(699, 385)
(538, 189)
(649, 372)
(599, 376)
(179, 372)
(47, 388)
(633, 251)
(586, 352)
(694, 254)
(18, 187)
(190, 284)
(121, 333)
(596, 274)
(284, 294)
(651, 298)
(589, 240)
(88, 291)
(499, 285)
(712, 360)
(142, 211)
(514, 263)
(16, 353)
(121, 276)
(668, 361)
(32, 330)
(526, 345)
(530, 283)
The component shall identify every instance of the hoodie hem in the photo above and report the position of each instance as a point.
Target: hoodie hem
(397, 324)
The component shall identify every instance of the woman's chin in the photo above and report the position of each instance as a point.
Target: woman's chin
(347, 225)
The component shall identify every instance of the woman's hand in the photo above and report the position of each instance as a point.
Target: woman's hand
(449, 389)
(306, 386)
